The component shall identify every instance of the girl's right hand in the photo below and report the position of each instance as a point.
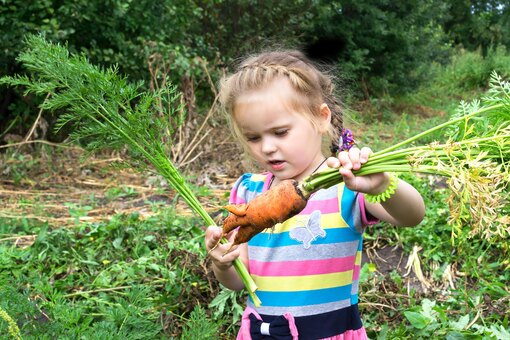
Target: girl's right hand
(221, 260)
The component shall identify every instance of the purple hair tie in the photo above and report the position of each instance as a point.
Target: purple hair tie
(346, 140)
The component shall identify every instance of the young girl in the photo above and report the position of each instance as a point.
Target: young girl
(281, 108)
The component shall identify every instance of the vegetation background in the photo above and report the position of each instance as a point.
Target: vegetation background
(91, 251)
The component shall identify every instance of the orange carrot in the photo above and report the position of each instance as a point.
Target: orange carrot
(274, 206)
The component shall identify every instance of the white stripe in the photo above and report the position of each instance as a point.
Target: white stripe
(264, 328)
(302, 310)
(354, 288)
(325, 194)
(291, 253)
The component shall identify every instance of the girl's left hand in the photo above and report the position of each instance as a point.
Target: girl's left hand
(354, 159)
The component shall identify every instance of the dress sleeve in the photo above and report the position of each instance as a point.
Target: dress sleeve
(247, 187)
(354, 211)
(239, 189)
(366, 218)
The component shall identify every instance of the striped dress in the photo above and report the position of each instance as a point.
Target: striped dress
(308, 267)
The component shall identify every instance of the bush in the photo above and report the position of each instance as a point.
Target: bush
(471, 70)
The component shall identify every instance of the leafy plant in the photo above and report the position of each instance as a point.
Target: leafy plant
(12, 327)
(199, 326)
(127, 277)
(226, 303)
(431, 320)
(474, 157)
(108, 112)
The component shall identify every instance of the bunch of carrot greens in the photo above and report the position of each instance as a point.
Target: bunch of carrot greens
(107, 112)
(475, 157)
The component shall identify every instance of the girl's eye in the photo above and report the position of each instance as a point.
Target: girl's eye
(252, 138)
(281, 132)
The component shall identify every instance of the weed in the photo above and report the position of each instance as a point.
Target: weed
(199, 326)
(106, 280)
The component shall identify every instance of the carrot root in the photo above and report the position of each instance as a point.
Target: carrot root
(274, 206)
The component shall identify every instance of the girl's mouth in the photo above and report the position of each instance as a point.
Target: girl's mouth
(276, 165)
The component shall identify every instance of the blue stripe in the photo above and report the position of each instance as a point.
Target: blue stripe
(337, 235)
(306, 297)
(348, 197)
(255, 186)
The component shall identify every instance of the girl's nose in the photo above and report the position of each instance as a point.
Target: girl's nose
(268, 146)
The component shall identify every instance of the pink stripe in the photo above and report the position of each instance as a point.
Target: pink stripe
(239, 200)
(234, 199)
(267, 181)
(295, 268)
(366, 218)
(326, 206)
(355, 273)
(233, 196)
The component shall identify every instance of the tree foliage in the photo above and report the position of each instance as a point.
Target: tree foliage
(475, 24)
(381, 45)
(381, 42)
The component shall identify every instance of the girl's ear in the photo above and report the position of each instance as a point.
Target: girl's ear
(325, 117)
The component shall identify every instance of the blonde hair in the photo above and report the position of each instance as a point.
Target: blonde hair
(313, 86)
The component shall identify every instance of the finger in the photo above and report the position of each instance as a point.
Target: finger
(354, 156)
(213, 232)
(226, 254)
(225, 259)
(349, 179)
(333, 162)
(232, 255)
(365, 154)
(212, 237)
(346, 174)
(221, 250)
(345, 160)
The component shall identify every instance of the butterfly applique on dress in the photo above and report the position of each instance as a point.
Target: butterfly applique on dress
(310, 232)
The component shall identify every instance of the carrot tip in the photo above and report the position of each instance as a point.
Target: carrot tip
(238, 210)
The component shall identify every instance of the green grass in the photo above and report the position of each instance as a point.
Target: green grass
(128, 278)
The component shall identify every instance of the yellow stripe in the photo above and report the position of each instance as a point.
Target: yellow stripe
(328, 221)
(358, 258)
(299, 283)
(258, 177)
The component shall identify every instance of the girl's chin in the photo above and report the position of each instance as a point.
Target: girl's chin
(282, 175)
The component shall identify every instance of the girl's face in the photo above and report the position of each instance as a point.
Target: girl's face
(284, 141)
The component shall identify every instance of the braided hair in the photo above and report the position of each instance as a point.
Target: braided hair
(313, 86)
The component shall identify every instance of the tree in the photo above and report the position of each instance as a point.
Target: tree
(380, 42)
(478, 24)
